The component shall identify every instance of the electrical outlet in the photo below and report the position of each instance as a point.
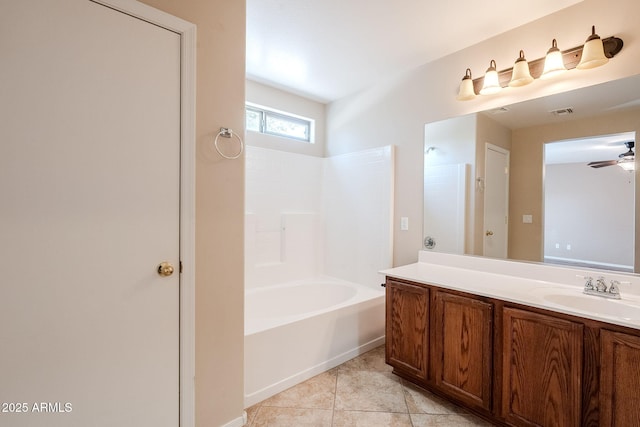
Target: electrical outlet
(527, 219)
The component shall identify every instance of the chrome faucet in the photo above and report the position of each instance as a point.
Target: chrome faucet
(600, 288)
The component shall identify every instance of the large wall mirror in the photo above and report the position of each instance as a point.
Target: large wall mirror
(516, 182)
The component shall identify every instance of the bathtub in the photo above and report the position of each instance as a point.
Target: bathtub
(294, 331)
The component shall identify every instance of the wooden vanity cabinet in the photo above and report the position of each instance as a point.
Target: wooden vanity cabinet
(512, 364)
(407, 323)
(462, 350)
(619, 379)
(441, 341)
(542, 369)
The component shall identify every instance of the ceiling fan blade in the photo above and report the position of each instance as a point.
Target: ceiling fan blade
(602, 163)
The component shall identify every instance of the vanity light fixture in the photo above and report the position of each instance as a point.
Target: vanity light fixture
(555, 62)
(593, 52)
(521, 75)
(466, 91)
(491, 82)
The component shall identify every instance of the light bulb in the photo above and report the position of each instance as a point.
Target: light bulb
(553, 63)
(491, 82)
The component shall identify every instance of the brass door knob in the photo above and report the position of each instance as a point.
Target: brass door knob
(488, 233)
(165, 269)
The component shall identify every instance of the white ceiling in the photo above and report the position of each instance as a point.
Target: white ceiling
(328, 49)
(594, 149)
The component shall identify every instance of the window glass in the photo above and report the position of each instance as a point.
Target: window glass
(287, 126)
(264, 120)
(253, 119)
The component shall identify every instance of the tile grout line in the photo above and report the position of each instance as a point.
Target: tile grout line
(335, 394)
(404, 395)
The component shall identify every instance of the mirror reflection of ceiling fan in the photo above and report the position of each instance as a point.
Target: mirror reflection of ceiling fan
(625, 158)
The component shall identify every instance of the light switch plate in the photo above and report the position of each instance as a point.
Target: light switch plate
(404, 223)
(527, 219)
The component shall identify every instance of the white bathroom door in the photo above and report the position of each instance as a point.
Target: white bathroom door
(496, 202)
(89, 207)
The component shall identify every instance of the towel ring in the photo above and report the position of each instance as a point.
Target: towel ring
(228, 133)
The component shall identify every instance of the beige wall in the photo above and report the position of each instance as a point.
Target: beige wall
(395, 111)
(219, 206)
(526, 183)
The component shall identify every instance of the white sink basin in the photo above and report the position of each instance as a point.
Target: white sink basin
(596, 305)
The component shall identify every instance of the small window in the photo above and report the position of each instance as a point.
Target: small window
(278, 123)
(253, 119)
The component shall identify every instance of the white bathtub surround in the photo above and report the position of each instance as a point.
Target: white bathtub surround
(525, 283)
(288, 249)
(309, 216)
(283, 222)
(297, 330)
(317, 233)
(445, 206)
(358, 214)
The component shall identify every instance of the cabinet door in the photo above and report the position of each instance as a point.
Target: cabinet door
(542, 368)
(462, 350)
(407, 317)
(619, 379)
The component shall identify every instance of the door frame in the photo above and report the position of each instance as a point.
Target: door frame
(187, 32)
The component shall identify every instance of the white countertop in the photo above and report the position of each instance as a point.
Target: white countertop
(552, 288)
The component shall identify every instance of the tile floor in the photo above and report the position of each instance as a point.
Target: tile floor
(361, 392)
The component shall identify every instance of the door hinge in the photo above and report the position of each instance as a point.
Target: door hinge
(180, 267)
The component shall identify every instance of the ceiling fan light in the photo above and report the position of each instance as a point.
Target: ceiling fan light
(491, 82)
(521, 75)
(553, 62)
(466, 91)
(592, 52)
(627, 164)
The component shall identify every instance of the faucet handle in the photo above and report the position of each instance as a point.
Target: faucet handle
(588, 284)
(614, 289)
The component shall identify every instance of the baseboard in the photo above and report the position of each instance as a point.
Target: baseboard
(273, 389)
(238, 422)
